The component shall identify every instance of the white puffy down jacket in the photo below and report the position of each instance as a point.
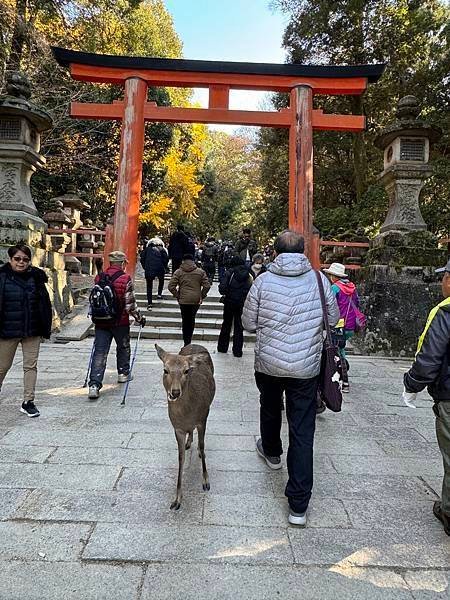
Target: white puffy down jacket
(283, 307)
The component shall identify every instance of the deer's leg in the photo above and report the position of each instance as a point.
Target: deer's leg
(189, 440)
(201, 450)
(181, 440)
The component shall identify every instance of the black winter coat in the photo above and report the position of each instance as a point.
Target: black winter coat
(431, 369)
(154, 261)
(25, 307)
(178, 244)
(235, 285)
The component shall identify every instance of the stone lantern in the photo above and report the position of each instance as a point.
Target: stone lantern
(21, 125)
(406, 146)
(57, 219)
(403, 239)
(72, 207)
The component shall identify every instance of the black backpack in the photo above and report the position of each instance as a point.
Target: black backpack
(103, 302)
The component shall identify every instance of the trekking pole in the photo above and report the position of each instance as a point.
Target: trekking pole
(89, 365)
(131, 367)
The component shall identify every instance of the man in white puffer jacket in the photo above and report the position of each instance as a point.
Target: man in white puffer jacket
(283, 307)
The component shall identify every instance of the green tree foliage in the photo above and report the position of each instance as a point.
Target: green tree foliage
(86, 153)
(413, 38)
(231, 190)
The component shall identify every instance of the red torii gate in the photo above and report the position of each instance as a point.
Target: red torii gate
(135, 74)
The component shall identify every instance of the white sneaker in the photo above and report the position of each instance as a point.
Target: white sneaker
(122, 378)
(298, 519)
(94, 392)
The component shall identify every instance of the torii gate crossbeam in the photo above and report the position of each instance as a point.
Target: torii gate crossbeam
(135, 74)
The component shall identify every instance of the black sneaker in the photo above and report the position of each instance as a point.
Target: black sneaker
(274, 462)
(29, 408)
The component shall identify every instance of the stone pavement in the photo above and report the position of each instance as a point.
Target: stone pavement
(85, 493)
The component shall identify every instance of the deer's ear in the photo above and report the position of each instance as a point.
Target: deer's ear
(161, 353)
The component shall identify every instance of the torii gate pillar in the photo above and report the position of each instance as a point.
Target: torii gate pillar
(301, 172)
(126, 212)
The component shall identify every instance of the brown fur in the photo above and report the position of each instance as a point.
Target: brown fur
(189, 382)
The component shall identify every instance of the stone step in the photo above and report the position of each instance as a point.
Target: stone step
(153, 319)
(174, 333)
(142, 297)
(212, 306)
(175, 312)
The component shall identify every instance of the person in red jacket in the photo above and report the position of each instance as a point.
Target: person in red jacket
(120, 332)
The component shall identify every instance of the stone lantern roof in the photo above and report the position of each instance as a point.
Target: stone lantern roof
(71, 199)
(407, 124)
(17, 104)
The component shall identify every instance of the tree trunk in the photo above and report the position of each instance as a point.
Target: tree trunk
(19, 37)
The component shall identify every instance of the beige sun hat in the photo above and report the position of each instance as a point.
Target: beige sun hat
(336, 269)
(117, 257)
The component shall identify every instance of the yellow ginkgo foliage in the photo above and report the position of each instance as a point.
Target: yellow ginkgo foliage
(157, 209)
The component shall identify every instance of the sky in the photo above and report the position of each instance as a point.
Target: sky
(235, 30)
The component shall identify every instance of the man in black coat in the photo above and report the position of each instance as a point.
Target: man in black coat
(25, 318)
(431, 370)
(246, 247)
(178, 246)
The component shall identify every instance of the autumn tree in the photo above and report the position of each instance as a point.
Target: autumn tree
(412, 38)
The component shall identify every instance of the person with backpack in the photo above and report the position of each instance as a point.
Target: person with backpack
(209, 257)
(224, 256)
(154, 260)
(25, 318)
(234, 289)
(246, 247)
(348, 303)
(189, 285)
(112, 301)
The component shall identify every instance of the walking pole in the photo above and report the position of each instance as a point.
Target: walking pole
(89, 365)
(131, 367)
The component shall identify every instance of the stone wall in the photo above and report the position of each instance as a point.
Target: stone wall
(396, 302)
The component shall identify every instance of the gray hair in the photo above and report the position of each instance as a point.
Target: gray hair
(289, 242)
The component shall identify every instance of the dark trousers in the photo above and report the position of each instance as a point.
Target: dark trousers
(210, 270)
(231, 315)
(222, 272)
(102, 341)
(150, 281)
(188, 312)
(301, 405)
(176, 262)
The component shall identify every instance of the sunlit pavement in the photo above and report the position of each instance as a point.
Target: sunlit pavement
(85, 492)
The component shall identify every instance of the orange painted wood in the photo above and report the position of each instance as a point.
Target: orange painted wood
(314, 254)
(301, 165)
(278, 83)
(346, 244)
(79, 231)
(349, 267)
(321, 120)
(171, 114)
(219, 96)
(128, 198)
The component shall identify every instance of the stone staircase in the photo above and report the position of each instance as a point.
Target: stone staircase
(164, 320)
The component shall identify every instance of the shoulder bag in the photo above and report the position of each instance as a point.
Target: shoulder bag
(330, 374)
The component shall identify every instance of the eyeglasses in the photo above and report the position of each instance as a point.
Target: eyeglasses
(24, 259)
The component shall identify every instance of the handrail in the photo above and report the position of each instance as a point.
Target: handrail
(80, 231)
(83, 254)
(350, 267)
(346, 244)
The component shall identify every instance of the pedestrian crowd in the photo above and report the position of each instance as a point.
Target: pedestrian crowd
(285, 302)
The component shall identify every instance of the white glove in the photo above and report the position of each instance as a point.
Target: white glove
(409, 398)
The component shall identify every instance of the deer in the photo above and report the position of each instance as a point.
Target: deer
(188, 379)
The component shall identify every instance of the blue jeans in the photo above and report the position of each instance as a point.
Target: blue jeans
(103, 339)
